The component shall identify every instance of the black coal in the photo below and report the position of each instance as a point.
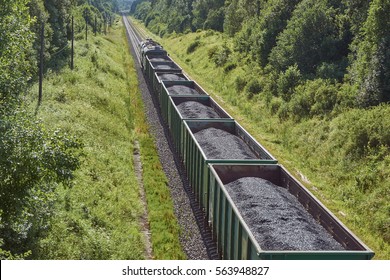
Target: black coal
(196, 110)
(276, 218)
(220, 144)
(182, 90)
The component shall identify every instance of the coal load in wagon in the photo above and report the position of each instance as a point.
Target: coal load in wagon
(159, 59)
(196, 110)
(182, 90)
(164, 66)
(276, 218)
(220, 144)
(171, 77)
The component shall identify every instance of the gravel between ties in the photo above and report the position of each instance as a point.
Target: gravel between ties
(276, 218)
(196, 110)
(220, 144)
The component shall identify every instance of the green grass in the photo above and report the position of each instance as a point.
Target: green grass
(357, 191)
(99, 216)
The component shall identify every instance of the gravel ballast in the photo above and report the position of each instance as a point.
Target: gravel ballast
(220, 144)
(182, 90)
(196, 110)
(171, 77)
(276, 218)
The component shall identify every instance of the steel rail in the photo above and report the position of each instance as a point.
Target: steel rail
(133, 36)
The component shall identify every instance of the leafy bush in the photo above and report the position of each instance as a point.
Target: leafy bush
(332, 70)
(300, 105)
(193, 46)
(287, 82)
(283, 112)
(361, 132)
(229, 67)
(313, 98)
(240, 83)
(253, 87)
(275, 104)
(209, 33)
(33, 162)
(219, 55)
(212, 52)
(346, 97)
(324, 96)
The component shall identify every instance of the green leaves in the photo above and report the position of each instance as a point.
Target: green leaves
(371, 69)
(310, 38)
(15, 44)
(180, 15)
(33, 162)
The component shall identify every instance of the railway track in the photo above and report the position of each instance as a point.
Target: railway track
(196, 236)
(133, 36)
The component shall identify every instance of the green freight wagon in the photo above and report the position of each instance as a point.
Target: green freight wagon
(196, 161)
(233, 232)
(176, 118)
(177, 88)
(162, 76)
(160, 66)
(149, 48)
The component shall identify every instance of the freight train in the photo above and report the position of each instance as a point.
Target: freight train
(256, 209)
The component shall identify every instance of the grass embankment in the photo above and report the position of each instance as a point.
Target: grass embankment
(356, 189)
(99, 217)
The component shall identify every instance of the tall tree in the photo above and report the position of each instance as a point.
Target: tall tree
(59, 16)
(371, 69)
(209, 14)
(15, 48)
(259, 33)
(311, 38)
(234, 17)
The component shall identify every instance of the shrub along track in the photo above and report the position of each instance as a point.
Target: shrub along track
(195, 234)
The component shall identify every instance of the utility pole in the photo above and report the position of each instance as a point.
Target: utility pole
(86, 29)
(105, 22)
(41, 62)
(72, 52)
(72, 48)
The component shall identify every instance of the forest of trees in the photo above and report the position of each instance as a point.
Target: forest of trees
(34, 159)
(294, 40)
